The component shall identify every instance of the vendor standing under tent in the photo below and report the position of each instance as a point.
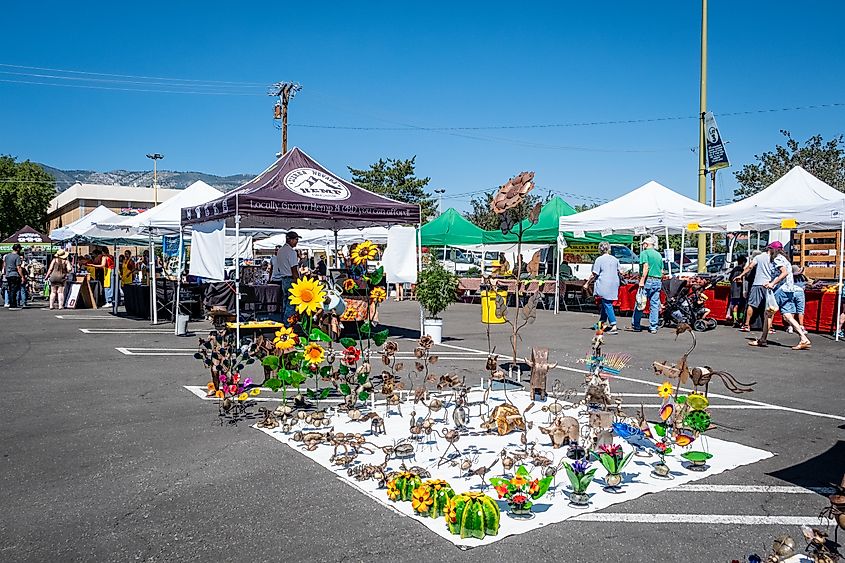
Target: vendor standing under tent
(287, 265)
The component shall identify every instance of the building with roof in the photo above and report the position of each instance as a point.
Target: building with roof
(81, 199)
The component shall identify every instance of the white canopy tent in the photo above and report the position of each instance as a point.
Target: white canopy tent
(79, 227)
(321, 238)
(165, 217)
(797, 195)
(650, 208)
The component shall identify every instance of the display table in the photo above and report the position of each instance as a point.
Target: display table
(136, 299)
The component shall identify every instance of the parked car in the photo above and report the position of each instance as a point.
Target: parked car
(455, 260)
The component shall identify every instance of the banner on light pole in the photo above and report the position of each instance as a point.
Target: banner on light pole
(717, 157)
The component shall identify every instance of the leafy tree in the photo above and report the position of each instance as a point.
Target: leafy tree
(482, 214)
(25, 193)
(585, 206)
(395, 179)
(823, 159)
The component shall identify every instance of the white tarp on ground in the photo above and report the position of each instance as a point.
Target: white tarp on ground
(321, 238)
(400, 256)
(165, 217)
(650, 208)
(83, 224)
(637, 478)
(796, 195)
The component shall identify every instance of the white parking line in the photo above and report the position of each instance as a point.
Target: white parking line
(767, 489)
(711, 395)
(157, 351)
(124, 331)
(85, 317)
(733, 519)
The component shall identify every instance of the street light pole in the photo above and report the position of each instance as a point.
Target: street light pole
(440, 192)
(155, 157)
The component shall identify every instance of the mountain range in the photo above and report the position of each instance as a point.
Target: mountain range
(166, 178)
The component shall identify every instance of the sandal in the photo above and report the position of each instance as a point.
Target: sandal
(758, 344)
(744, 328)
(802, 346)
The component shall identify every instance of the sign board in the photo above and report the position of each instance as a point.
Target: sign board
(606, 232)
(74, 295)
(716, 156)
(579, 234)
(639, 231)
(669, 254)
(788, 224)
(692, 227)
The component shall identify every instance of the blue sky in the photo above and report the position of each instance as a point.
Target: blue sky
(450, 64)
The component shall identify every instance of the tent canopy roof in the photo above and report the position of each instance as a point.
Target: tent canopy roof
(547, 228)
(165, 217)
(796, 195)
(85, 223)
(452, 229)
(27, 235)
(651, 207)
(322, 238)
(297, 192)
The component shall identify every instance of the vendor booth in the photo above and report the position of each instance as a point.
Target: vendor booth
(294, 192)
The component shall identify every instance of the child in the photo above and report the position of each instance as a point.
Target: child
(739, 293)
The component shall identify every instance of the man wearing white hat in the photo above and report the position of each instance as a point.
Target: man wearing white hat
(651, 276)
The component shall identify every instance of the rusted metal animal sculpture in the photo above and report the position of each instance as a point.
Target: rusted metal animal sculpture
(563, 431)
(504, 419)
(540, 367)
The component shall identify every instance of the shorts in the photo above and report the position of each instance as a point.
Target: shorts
(786, 301)
(757, 296)
(736, 302)
(800, 302)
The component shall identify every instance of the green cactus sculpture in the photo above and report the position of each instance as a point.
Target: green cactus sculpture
(402, 485)
(473, 515)
(432, 497)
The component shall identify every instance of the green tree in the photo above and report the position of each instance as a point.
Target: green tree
(585, 206)
(823, 159)
(395, 179)
(481, 213)
(25, 193)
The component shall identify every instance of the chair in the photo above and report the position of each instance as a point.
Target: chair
(573, 292)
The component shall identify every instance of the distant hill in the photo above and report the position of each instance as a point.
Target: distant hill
(166, 178)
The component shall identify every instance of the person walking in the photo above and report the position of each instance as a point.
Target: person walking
(761, 265)
(783, 286)
(800, 282)
(651, 274)
(57, 275)
(605, 279)
(14, 276)
(739, 293)
(287, 263)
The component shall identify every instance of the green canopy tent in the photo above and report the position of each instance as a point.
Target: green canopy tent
(450, 229)
(547, 227)
(546, 231)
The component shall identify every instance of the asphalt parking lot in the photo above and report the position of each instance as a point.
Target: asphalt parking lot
(107, 457)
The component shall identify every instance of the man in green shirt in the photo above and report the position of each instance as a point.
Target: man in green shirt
(651, 275)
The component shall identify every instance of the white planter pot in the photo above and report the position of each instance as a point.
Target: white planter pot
(434, 329)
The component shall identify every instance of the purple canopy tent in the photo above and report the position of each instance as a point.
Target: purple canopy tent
(297, 192)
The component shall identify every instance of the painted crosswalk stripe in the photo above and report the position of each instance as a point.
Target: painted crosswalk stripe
(732, 519)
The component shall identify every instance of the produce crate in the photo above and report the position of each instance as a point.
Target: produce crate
(817, 252)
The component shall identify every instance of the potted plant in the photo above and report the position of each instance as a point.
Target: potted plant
(580, 477)
(436, 289)
(520, 490)
(613, 459)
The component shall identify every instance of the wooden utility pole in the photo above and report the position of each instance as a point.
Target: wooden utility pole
(285, 91)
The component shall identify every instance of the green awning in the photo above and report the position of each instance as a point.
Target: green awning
(450, 229)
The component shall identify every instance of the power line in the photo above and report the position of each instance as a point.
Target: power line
(570, 124)
(119, 81)
(146, 90)
(258, 84)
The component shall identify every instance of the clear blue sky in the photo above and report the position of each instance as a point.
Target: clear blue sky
(450, 64)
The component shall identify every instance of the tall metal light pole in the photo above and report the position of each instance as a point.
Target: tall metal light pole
(702, 148)
(155, 158)
(440, 193)
(285, 91)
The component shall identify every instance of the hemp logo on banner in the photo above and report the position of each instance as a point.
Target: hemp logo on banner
(315, 184)
(716, 155)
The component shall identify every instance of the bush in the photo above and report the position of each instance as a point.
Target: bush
(473, 272)
(437, 288)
